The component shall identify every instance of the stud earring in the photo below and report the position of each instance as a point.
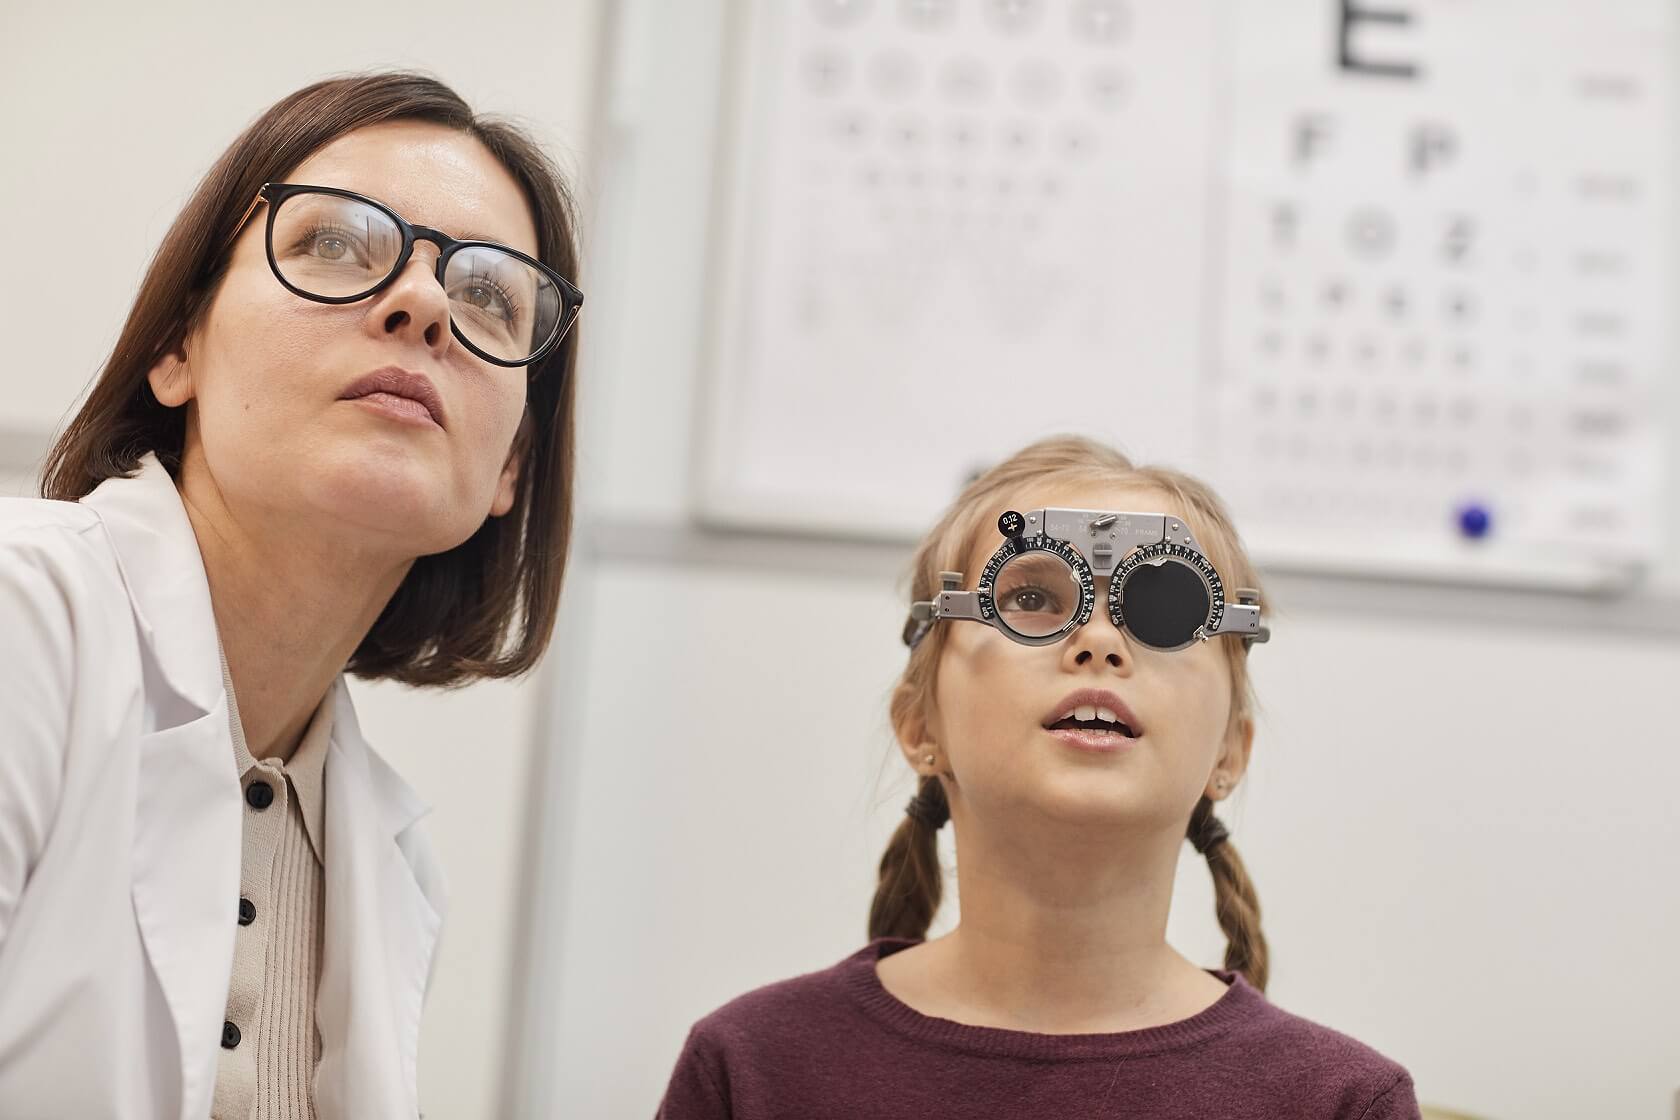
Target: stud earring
(927, 759)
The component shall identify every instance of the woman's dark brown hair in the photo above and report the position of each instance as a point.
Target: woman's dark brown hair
(486, 607)
(910, 886)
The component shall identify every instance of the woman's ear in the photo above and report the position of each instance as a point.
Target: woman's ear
(171, 379)
(507, 487)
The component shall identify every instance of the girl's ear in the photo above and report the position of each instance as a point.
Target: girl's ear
(916, 738)
(1232, 763)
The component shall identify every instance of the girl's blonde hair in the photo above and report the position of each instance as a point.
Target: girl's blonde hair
(910, 885)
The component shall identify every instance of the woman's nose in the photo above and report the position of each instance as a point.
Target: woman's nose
(413, 307)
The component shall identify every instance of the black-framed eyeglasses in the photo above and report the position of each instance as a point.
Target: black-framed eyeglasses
(335, 246)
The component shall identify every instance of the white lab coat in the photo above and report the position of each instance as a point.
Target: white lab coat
(120, 819)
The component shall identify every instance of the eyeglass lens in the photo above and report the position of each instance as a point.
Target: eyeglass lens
(1036, 594)
(1164, 603)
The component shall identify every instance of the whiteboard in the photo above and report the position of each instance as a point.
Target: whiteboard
(1393, 277)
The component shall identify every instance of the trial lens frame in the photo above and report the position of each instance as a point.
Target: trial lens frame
(1093, 543)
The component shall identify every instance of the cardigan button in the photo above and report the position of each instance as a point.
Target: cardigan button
(247, 911)
(230, 1036)
(259, 795)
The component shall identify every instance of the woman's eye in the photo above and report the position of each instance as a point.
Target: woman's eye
(487, 297)
(331, 248)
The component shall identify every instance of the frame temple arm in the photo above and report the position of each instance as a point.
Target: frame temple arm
(1243, 617)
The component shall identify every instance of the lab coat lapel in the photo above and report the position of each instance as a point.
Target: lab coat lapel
(383, 914)
(186, 885)
(163, 570)
(185, 857)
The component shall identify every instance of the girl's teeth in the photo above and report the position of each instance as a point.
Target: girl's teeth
(1085, 713)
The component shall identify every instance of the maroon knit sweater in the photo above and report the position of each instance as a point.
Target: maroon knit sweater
(835, 1045)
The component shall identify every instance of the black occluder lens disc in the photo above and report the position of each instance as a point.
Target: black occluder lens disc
(1164, 603)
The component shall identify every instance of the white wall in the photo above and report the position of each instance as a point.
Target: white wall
(108, 116)
(1461, 834)
(1460, 828)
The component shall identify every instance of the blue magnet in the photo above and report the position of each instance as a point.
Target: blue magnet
(1475, 521)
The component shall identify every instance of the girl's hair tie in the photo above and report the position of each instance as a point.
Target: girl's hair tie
(1209, 836)
(929, 811)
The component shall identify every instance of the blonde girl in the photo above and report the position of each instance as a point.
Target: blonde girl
(1076, 704)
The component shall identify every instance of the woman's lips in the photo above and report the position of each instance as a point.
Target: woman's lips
(1098, 742)
(403, 409)
(402, 383)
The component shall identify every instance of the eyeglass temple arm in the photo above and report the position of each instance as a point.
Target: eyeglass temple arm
(239, 228)
(951, 602)
(1243, 617)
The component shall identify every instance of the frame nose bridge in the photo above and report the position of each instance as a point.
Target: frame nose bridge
(1102, 556)
(442, 241)
(436, 236)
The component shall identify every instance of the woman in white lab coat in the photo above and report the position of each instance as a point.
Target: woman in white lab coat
(334, 436)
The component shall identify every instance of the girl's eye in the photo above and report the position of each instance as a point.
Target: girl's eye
(1030, 599)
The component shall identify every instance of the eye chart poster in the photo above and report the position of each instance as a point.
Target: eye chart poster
(1444, 283)
(1393, 274)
